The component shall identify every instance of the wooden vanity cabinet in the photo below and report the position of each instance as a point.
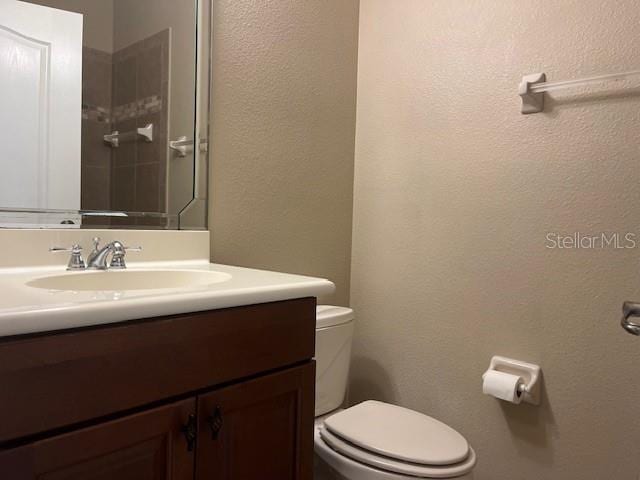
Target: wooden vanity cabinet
(246, 414)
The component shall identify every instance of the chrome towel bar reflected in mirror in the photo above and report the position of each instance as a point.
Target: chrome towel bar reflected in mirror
(631, 310)
(114, 138)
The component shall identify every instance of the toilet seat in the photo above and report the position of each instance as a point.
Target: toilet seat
(396, 466)
(353, 470)
(399, 433)
(393, 442)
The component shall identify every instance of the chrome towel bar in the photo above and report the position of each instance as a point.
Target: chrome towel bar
(115, 137)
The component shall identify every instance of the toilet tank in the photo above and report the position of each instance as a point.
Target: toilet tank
(334, 332)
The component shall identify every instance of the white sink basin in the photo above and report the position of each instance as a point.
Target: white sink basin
(126, 280)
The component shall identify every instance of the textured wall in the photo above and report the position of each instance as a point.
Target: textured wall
(455, 191)
(284, 78)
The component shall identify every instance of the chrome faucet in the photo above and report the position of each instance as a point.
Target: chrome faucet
(98, 258)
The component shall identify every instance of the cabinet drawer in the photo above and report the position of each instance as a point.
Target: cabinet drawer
(56, 380)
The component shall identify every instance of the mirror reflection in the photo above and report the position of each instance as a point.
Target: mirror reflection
(97, 109)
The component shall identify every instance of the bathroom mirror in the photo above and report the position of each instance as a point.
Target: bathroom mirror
(103, 113)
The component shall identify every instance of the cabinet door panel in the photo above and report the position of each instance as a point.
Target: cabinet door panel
(146, 446)
(258, 430)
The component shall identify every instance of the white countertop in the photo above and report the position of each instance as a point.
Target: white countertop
(25, 309)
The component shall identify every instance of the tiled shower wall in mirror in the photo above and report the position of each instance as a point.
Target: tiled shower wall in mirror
(123, 91)
(97, 67)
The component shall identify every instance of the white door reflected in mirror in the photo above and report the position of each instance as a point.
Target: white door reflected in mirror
(40, 105)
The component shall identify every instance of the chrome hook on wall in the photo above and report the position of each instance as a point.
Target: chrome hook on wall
(630, 310)
(183, 146)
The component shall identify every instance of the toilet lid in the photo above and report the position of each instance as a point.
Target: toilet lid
(398, 433)
(397, 466)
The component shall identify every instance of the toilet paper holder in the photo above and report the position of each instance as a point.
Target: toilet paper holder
(529, 372)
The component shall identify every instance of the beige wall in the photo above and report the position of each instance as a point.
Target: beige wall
(284, 78)
(455, 191)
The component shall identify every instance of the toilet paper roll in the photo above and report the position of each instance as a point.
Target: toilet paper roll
(504, 386)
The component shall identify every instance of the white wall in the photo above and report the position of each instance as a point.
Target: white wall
(455, 191)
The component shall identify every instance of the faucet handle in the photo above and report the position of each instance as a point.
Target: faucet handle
(75, 248)
(117, 260)
(76, 261)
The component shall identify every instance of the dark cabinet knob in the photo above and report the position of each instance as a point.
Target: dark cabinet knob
(215, 422)
(190, 431)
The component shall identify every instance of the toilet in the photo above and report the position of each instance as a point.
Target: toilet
(374, 440)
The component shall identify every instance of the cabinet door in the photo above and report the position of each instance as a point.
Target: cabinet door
(261, 429)
(147, 446)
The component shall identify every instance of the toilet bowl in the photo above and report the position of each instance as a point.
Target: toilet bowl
(374, 440)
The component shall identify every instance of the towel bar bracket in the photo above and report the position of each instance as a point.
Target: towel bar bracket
(532, 102)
